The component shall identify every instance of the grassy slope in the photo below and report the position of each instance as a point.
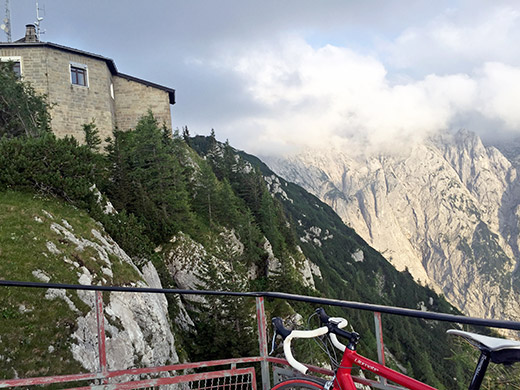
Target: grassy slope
(36, 329)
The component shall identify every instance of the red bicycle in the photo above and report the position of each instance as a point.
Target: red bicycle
(496, 350)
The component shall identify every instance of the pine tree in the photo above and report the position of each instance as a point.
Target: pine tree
(23, 112)
(120, 187)
(186, 135)
(92, 139)
(205, 199)
(148, 180)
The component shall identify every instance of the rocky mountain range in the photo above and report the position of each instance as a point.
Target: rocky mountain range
(244, 229)
(160, 209)
(447, 209)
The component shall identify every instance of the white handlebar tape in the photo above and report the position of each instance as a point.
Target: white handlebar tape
(341, 324)
(336, 343)
(300, 334)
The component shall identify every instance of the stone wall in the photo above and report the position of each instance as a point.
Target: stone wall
(133, 100)
(48, 71)
(109, 100)
(33, 65)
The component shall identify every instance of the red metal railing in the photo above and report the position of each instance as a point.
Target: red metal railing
(232, 378)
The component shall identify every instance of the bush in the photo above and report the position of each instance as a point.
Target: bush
(22, 111)
(51, 166)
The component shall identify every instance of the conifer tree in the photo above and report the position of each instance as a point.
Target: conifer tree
(120, 188)
(148, 179)
(92, 139)
(205, 200)
(23, 112)
(186, 134)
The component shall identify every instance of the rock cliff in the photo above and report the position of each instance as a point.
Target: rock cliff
(47, 241)
(447, 209)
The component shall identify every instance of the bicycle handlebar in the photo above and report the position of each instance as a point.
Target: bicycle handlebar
(332, 326)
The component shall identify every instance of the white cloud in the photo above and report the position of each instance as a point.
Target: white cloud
(313, 96)
(333, 95)
(457, 39)
(499, 93)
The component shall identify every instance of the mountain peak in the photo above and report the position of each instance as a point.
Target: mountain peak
(447, 211)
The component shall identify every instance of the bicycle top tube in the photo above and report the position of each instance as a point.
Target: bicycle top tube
(345, 381)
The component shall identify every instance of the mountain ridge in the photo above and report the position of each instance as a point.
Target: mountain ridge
(446, 209)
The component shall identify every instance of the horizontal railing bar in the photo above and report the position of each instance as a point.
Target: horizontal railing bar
(323, 301)
(183, 366)
(132, 371)
(170, 380)
(47, 380)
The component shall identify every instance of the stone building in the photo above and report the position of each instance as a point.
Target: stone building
(85, 87)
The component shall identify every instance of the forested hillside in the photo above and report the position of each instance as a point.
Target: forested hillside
(350, 269)
(205, 216)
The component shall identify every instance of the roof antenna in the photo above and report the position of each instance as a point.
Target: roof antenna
(6, 25)
(39, 32)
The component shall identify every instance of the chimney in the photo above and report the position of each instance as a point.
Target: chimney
(30, 33)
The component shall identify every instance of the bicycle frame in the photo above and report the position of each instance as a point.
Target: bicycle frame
(497, 350)
(344, 381)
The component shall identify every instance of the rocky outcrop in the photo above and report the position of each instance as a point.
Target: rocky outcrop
(138, 330)
(137, 327)
(192, 267)
(446, 209)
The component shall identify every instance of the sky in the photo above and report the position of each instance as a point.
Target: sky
(274, 76)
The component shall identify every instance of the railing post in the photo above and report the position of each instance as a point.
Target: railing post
(262, 342)
(380, 344)
(103, 368)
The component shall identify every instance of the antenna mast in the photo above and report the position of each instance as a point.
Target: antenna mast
(39, 32)
(6, 25)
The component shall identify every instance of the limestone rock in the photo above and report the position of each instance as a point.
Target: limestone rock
(138, 331)
(447, 209)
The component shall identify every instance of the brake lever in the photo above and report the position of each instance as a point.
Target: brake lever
(273, 343)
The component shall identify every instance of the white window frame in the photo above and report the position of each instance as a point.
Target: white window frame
(13, 59)
(79, 66)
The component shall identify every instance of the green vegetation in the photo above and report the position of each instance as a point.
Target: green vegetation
(50, 166)
(33, 332)
(166, 186)
(147, 179)
(22, 111)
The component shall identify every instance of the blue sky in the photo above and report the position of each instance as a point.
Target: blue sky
(276, 76)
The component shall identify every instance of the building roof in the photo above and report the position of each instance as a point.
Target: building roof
(110, 63)
(171, 92)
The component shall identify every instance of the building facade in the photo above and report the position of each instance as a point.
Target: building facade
(85, 87)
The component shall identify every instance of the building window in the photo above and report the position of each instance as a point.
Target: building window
(78, 74)
(16, 64)
(17, 69)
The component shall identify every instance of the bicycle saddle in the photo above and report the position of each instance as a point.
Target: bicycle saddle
(501, 351)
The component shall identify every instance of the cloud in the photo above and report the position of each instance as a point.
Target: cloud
(457, 39)
(312, 97)
(499, 93)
